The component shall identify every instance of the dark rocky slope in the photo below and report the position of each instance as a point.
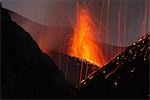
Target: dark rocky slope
(26, 71)
(125, 76)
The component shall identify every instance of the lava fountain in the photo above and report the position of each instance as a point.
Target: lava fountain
(83, 44)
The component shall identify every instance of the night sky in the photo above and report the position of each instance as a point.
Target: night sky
(59, 12)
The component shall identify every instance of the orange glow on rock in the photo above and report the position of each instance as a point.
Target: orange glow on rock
(82, 42)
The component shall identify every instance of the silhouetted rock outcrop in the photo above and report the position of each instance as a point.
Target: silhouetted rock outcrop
(125, 76)
(26, 71)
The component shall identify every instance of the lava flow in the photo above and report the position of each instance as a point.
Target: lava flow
(82, 42)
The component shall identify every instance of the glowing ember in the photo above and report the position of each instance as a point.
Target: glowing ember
(82, 44)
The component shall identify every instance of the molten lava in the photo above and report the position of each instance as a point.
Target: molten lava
(82, 42)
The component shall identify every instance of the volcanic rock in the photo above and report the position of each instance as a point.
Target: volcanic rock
(27, 72)
(125, 76)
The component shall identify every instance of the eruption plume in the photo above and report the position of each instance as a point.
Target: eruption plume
(83, 44)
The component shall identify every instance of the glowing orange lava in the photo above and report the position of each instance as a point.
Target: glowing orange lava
(82, 44)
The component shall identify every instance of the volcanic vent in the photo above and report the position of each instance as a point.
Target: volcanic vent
(85, 51)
